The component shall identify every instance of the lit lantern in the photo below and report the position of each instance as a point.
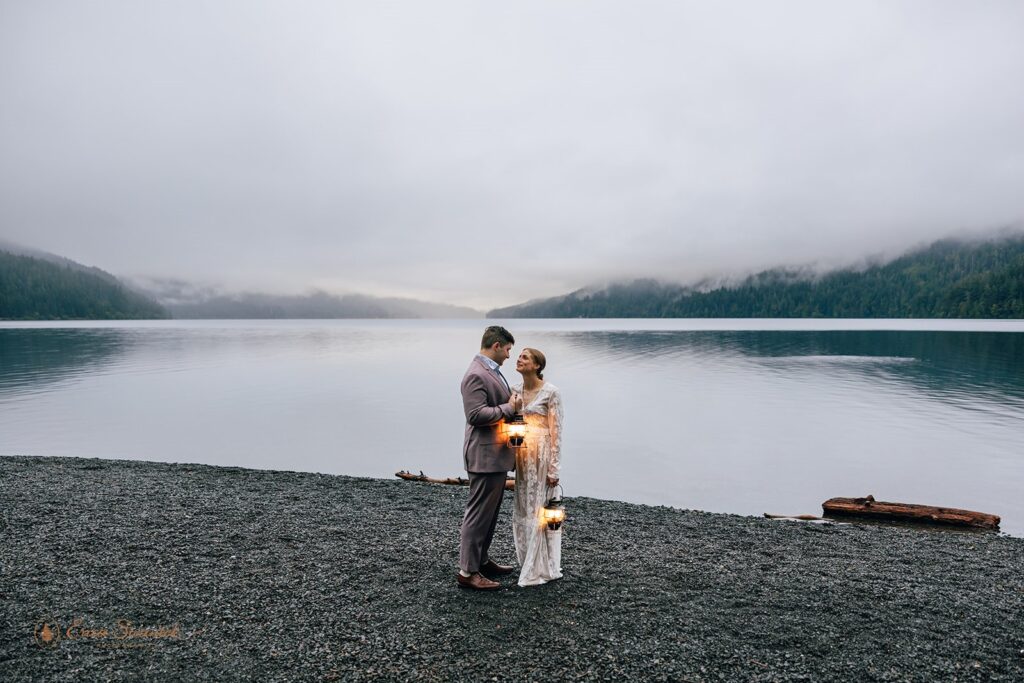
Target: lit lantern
(554, 513)
(516, 431)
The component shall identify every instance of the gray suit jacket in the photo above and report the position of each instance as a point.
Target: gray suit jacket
(485, 402)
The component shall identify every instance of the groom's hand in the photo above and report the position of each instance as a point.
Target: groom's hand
(516, 402)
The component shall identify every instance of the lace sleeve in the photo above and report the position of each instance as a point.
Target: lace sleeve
(555, 418)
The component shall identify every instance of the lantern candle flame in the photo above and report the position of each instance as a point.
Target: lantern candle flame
(554, 517)
(516, 431)
(554, 512)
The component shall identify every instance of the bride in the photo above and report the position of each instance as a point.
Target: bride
(537, 463)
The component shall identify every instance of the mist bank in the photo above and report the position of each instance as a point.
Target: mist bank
(313, 306)
(39, 285)
(947, 279)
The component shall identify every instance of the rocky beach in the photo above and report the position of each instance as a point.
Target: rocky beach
(123, 570)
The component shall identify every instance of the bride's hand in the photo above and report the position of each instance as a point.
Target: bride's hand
(517, 402)
(552, 481)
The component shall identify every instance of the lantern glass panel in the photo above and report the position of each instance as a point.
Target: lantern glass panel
(554, 516)
(515, 430)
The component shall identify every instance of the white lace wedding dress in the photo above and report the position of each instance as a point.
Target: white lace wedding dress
(538, 550)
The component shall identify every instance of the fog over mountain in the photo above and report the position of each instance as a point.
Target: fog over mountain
(484, 154)
(185, 300)
(22, 250)
(946, 279)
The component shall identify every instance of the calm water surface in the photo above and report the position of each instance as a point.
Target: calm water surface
(744, 416)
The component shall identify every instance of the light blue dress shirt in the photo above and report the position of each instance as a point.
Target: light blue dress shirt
(495, 368)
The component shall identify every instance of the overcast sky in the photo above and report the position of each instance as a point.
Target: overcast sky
(485, 153)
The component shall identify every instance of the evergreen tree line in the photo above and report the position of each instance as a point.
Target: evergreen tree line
(34, 289)
(949, 279)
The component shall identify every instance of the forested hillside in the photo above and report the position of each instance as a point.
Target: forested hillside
(35, 289)
(948, 279)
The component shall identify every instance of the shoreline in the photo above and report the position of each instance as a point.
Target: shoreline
(288, 575)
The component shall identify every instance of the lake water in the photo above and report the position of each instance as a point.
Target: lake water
(743, 416)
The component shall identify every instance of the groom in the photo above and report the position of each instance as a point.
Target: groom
(487, 401)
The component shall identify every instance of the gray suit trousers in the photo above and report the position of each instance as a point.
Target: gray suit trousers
(485, 494)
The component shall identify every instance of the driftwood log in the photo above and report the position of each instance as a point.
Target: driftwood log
(928, 514)
(510, 484)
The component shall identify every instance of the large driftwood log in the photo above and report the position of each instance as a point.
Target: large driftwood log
(510, 484)
(878, 509)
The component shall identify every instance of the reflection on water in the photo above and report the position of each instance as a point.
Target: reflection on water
(730, 420)
(30, 360)
(975, 365)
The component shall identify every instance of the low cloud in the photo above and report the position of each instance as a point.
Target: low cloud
(485, 154)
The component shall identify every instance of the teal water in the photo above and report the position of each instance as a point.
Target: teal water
(742, 416)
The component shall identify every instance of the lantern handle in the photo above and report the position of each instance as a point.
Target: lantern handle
(556, 486)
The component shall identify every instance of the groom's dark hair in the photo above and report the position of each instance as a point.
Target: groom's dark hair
(496, 334)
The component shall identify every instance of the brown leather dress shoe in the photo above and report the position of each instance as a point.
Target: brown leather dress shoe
(492, 568)
(477, 582)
